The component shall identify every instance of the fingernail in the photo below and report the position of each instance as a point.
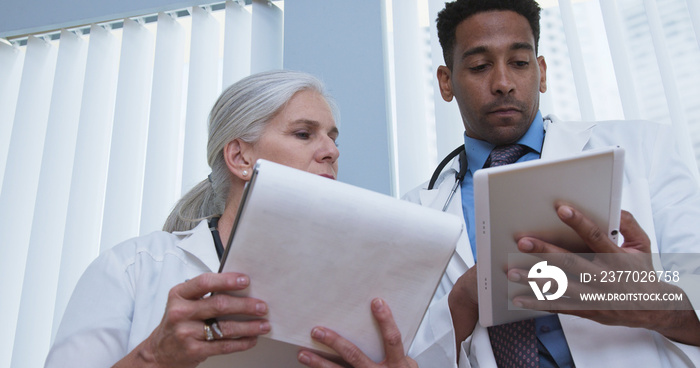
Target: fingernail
(565, 212)
(317, 333)
(526, 245)
(261, 308)
(303, 358)
(378, 304)
(265, 327)
(518, 303)
(513, 276)
(242, 281)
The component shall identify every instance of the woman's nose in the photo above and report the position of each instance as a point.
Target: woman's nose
(328, 151)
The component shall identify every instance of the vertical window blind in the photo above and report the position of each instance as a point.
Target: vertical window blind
(624, 59)
(102, 128)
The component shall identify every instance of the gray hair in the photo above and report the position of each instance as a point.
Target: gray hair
(242, 111)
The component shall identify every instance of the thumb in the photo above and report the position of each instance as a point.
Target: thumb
(635, 237)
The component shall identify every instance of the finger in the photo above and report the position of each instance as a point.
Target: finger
(195, 332)
(518, 276)
(225, 305)
(635, 236)
(567, 261)
(347, 350)
(592, 235)
(209, 282)
(237, 329)
(534, 245)
(228, 346)
(391, 336)
(312, 360)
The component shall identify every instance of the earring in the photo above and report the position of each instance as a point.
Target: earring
(245, 172)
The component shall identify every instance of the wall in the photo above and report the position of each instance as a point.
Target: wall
(32, 16)
(342, 43)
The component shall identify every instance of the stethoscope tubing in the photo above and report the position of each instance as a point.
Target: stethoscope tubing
(458, 178)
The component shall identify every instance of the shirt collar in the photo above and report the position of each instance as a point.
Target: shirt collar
(478, 151)
(199, 242)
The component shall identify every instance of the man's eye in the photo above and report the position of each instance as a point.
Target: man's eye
(522, 63)
(302, 135)
(478, 68)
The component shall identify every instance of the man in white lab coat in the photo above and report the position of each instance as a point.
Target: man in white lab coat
(495, 75)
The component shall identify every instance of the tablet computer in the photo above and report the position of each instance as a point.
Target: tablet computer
(518, 200)
(318, 251)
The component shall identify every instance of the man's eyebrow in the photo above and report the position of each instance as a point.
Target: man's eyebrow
(474, 51)
(522, 46)
(483, 49)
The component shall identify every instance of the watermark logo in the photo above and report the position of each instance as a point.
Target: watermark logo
(542, 270)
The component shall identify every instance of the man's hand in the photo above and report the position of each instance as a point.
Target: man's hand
(393, 346)
(680, 324)
(464, 305)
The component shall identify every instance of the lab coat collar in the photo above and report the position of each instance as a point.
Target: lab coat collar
(565, 138)
(199, 243)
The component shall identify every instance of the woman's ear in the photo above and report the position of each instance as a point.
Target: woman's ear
(237, 155)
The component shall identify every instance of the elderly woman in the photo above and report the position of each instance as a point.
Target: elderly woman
(145, 302)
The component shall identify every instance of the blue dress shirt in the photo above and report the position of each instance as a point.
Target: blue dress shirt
(552, 346)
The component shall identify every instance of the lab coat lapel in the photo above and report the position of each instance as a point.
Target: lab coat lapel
(200, 244)
(436, 198)
(564, 139)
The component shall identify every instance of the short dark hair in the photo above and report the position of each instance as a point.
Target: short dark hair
(455, 12)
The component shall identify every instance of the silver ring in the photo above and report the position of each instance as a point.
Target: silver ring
(215, 326)
(209, 336)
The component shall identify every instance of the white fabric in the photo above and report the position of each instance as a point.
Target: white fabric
(121, 297)
(659, 190)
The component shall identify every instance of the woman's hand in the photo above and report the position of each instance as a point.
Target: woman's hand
(182, 340)
(393, 347)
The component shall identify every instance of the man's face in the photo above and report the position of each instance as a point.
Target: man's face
(496, 76)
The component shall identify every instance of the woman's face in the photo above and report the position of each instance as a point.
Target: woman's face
(302, 135)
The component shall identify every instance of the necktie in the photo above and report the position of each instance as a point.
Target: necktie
(514, 344)
(505, 155)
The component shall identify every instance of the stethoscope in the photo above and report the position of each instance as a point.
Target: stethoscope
(462, 169)
(458, 178)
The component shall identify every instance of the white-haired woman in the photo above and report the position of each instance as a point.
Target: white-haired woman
(143, 304)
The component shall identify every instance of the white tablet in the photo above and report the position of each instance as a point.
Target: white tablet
(318, 251)
(518, 200)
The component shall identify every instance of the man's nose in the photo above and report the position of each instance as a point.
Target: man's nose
(502, 81)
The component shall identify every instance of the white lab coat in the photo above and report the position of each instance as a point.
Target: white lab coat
(121, 297)
(659, 190)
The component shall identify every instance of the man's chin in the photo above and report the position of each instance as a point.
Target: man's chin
(506, 135)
